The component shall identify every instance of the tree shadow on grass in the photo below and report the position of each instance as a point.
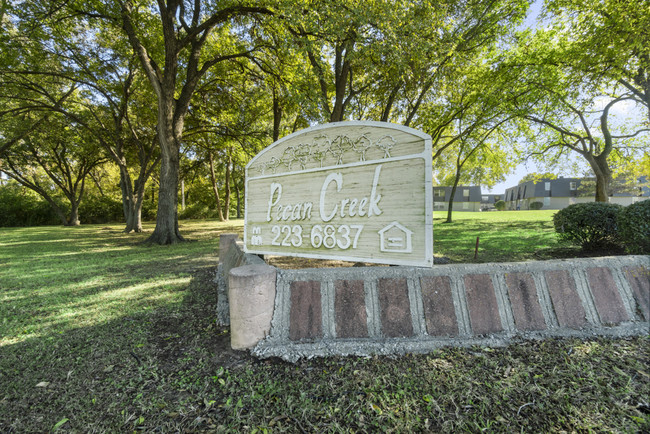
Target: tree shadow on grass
(171, 370)
(151, 370)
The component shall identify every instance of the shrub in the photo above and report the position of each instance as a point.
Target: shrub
(634, 227)
(100, 209)
(500, 205)
(536, 205)
(197, 211)
(591, 225)
(22, 207)
(149, 210)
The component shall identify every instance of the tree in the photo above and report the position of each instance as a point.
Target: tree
(230, 115)
(607, 41)
(383, 60)
(102, 71)
(334, 45)
(176, 43)
(22, 98)
(569, 110)
(56, 156)
(468, 125)
(537, 177)
(567, 124)
(482, 158)
(463, 32)
(184, 30)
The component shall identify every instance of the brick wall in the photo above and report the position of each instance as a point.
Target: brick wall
(366, 310)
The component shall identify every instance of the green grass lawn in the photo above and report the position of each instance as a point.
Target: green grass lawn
(99, 333)
(503, 236)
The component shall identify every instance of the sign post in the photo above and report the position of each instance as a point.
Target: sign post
(356, 191)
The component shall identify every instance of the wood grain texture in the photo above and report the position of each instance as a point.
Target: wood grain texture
(371, 200)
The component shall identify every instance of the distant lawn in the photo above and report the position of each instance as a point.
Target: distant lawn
(504, 236)
(99, 333)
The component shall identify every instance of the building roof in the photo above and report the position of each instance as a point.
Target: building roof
(560, 187)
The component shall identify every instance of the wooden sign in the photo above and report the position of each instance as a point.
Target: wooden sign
(355, 191)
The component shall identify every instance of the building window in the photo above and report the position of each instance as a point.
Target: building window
(547, 201)
(465, 205)
(484, 198)
(547, 186)
(573, 186)
(466, 192)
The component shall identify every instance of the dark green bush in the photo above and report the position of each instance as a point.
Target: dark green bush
(634, 227)
(591, 225)
(22, 207)
(536, 205)
(197, 211)
(100, 209)
(149, 210)
(500, 205)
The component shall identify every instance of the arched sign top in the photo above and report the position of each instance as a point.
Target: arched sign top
(357, 191)
(337, 144)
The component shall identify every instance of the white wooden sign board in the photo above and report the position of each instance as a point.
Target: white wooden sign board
(355, 191)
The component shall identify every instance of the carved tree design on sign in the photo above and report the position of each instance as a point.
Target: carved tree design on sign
(272, 164)
(386, 143)
(324, 151)
(302, 154)
(361, 145)
(289, 157)
(340, 145)
(320, 148)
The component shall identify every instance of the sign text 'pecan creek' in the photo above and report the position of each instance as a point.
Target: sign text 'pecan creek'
(356, 191)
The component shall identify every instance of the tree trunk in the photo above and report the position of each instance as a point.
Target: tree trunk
(451, 199)
(75, 200)
(127, 197)
(238, 193)
(183, 194)
(603, 177)
(213, 180)
(132, 200)
(385, 115)
(134, 215)
(277, 116)
(134, 219)
(226, 198)
(166, 231)
(73, 220)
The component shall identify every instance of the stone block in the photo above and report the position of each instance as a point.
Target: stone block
(225, 240)
(482, 304)
(350, 308)
(639, 280)
(232, 258)
(526, 309)
(607, 299)
(251, 293)
(439, 313)
(564, 296)
(395, 308)
(305, 318)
